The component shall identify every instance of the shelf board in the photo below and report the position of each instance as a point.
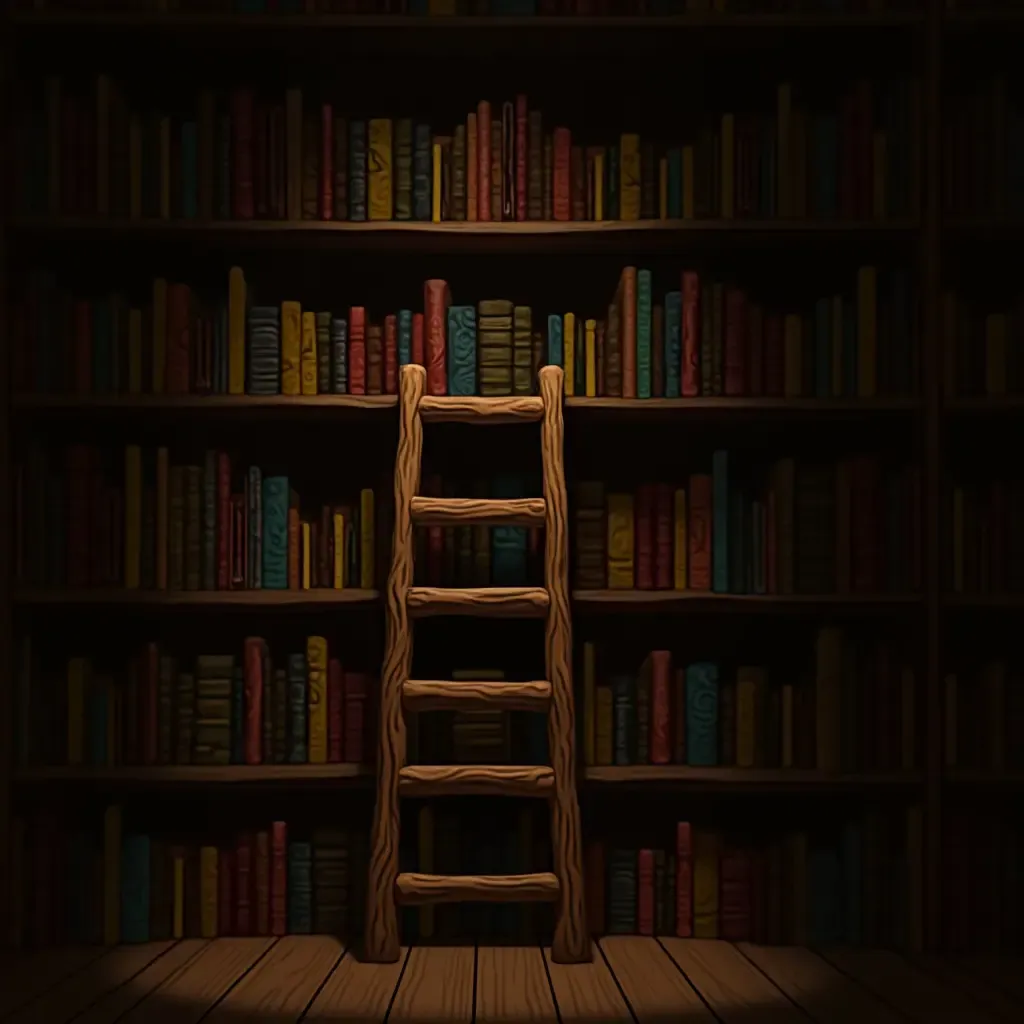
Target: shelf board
(984, 602)
(599, 601)
(191, 774)
(677, 775)
(233, 404)
(984, 777)
(698, 408)
(212, 599)
(985, 405)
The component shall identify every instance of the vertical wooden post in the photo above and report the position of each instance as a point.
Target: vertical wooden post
(572, 940)
(382, 939)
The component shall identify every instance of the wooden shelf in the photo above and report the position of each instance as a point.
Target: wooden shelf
(701, 408)
(984, 602)
(731, 778)
(191, 774)
(985, 405)
(983, 777)
(701, 600)
(228, 404)
(163, 599)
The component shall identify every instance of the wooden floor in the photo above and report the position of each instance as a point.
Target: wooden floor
(650, 981)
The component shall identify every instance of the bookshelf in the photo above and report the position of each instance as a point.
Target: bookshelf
(922, 239)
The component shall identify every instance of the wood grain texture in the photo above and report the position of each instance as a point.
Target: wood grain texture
(283, 983)
(586, 993)
(381, 938)
(731, 778)
(447, 695)
(418, 889)
(193, 774)
(657, 992)
(731, 985)
(190, 993)
(484, 779)
(492, 602)
(512, 986)
(25, 975)
(358, 992)
(816, 986)
(70, 997)
(78, 404)
(470, 409)
(571, 943)
(437, 986)
(167, 599)
(478, 511)
(990, 996)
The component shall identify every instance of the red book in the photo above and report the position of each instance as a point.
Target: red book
(225, 892)
(244, 883)
(253, 700)
(83, 347)
(417, 339)
(691, 334)
(645, 537)
(755, 352)
(261, 871)
(355, 687)
(326, 162)
(645, 892)
(865, 493)
(278, 878)
(734, 896)
(661, 707)
(774, 356)
(521, 119)
(735, 341)
(335, 711)
(179, 303)
(594, 884)
(699, 532)
(436, 299)
(241, 154)
(149, 705)
(80, 458)
(684, 880)
(391, 354)
(561, 171)
(223, 521)
(663, 537)
(357, 351)
(483, 163)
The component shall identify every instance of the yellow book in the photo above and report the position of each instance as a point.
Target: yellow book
(784, 150)
(367, 538)
(78, 680)
(837, 346)
(338, 521)
(878, 165)
(316, 663)
(995, 354)
(620, 541)
(828, 698)
(867, 337)
(159, 335)
(435, 203)
(165, 168)
(569, 353)
(629, 177)
(787, 725)
(728, 157)
(112, 875)
(749, 687)
(949, 346)
(589, 720)
(603, 725)
(425, 863)
(378, 169)
(308, 354)
(208, 892)
(135, 167)
(236, 331)
(958, 540)
(306, 544)
(135, 352)
(793, 354)
(796, 849)
(163, 509)
(663, 188)
(291, 348)
(132, 516)
(908, 702)
(915, 864)
(950, 721)
(599, 186)
(706, 846)
(590, 365)
(679, 540)
(688, 183)
(103, 145)
(178, 928)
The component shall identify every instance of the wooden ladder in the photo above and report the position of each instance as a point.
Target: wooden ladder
(554, 696)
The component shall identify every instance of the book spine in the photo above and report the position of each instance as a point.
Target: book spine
(357, 351)
(278, 879)
(297, 727)
(435, 304)
(357, 171)
(421, 180)
(562, 146)
(521, 156)
(316, 658)
(702, 714)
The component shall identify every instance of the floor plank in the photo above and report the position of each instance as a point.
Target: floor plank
(952, 971)
(114, 1005)
(904, 987)
(191, 992)
(828, 996)
(64, 1001)
(587, 993)
(654, 986)
(1003, 971)
(26, 975)
(357, 993)
(283, 983)
(512, 986)
(437, 986)
(731, 985)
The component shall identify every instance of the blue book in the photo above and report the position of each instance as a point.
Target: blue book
(823, 348)
(461, 350)
(275, 533)
(102, 347)
(297, 735)
(300, 888)
(851, 883)
(189, 171)
(238, 715)
(623, 711)
(422, 172)
(98, 717)
(404, 337)
(643, 334)
(255, 539)
(339, 355)
(702, 714)
(357, 170)
(675, 183)
(508, 543)
(135, 888)
(673, 344)
(825, 926)
(720, 522)
(825, 161)
(849, 348)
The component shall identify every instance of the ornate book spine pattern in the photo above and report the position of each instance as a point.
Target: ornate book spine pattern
(357, 171)
(275, 533)
(702, 714)
(462, 350)
(403, 169)
(316, 658)
(298, 746)
(379, 167)
(339, 351)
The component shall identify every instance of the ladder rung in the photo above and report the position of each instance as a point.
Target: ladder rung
(415, 888)
(476, 779)
(471, 409)
(478, 511)
(493, 602)
(448, 695)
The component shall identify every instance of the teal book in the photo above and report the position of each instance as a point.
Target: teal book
(135, 888)
(508, 543)
(462, 350)
(300, 888)
(824, 902)
(673, 344)
(849, 348)
(612, 192)
(102, 347)
(98, 718)
(189, 171)
(275, 533)
(702, 714)
(675, 184)
(643, 334)
(720, 522)
(297, 729)
(556, 353)
(823, 348)
(404, 337)
(238, 715)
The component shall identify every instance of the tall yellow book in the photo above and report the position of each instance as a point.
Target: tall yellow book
(316, 663)
(706, 847)
(163, 509)
(78, 681)
(867, 332)
(629, 177)
(159, 352)
(308, 354)
(589, 682)
(728, 156)
(307, 543)
(236, 331)
(749, 690)
(135, 352)
(132, 516)
(178, 881)
(378, 166)
(367, 539)
(590, 356)
(426, 864)
(291, 348)
(569, 353)
(208, 892)
(828, 703)
(435, 195)
(599, 186)
(620, 541)
(112, 875)
(338, 522)
(679, 540)
(793, 354)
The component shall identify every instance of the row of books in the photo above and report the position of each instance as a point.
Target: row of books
(983, 351)
(984, 553)
(848, 527)
(983, 718)
(87, 516)
(860, 884)
(218, 710)
(243, 156)
(112, 884)
(853, 710)
(706, 337)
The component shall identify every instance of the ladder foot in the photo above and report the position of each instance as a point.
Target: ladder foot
(564, 952)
